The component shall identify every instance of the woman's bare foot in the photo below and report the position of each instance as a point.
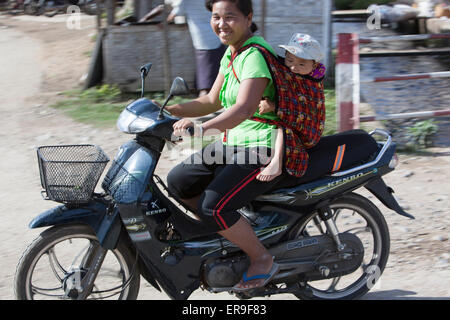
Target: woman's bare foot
(258, 267)
(270, 172)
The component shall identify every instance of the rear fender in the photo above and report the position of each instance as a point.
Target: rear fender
(107, 226)
(385, 194)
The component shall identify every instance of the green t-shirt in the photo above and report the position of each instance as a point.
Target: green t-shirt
(248, 64)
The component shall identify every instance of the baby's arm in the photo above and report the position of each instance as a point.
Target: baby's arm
(266, 106)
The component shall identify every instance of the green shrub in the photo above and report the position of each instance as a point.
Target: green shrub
(422, 133)
(104, 93)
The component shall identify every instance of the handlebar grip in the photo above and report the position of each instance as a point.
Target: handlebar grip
(190, 130)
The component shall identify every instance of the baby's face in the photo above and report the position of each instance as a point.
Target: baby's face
(298, 65)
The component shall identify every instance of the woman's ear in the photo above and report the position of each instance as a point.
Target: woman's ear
(250, 20)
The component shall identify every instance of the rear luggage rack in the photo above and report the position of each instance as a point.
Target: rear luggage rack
(372, 163)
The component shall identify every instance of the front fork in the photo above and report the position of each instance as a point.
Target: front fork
(80, 282)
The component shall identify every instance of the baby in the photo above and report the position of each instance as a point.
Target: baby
(303, 53)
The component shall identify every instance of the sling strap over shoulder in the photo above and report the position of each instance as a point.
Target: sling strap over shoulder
(300, 105)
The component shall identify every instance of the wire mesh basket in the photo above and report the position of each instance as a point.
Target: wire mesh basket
(69, 173)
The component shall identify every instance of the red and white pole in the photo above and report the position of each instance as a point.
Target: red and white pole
(347, 81)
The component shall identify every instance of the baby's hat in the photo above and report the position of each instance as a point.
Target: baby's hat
(304, 46)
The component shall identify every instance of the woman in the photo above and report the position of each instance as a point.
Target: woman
(215, 190)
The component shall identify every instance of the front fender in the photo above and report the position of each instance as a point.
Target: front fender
(90, 214)
(106, 226)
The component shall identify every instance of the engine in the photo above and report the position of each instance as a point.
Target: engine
(224, 272)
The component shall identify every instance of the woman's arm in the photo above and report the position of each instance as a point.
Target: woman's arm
(201, 106)
(247, 102)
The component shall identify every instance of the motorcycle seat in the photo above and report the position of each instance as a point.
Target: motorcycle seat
(335, 153)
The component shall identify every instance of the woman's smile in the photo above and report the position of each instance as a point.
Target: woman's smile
(224, 33)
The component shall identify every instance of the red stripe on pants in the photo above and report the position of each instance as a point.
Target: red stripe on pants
(226, 200)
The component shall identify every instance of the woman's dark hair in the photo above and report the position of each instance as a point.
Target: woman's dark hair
(244, 6)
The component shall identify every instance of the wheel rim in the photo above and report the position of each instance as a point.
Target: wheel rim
(356, 220)
(55, 269)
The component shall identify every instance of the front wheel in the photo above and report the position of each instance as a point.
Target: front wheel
(357, 215)
(53, 266)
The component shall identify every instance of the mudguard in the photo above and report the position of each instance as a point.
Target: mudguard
(384, 193)
(107, 226)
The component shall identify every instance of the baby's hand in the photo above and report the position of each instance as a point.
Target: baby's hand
(266, 106)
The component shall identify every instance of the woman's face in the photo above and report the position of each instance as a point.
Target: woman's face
(230, 24)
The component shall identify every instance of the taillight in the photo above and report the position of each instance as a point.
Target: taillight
(394, 161)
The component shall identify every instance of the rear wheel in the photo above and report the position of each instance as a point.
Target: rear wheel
(357, 215)
(52, 266)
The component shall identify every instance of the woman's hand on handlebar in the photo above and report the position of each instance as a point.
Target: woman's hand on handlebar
(180, 128)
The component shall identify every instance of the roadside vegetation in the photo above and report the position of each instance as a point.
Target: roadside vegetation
(101, 105)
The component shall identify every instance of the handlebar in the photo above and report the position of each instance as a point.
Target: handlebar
(190, 130)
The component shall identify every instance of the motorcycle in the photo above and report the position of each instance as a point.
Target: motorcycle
(330, 242)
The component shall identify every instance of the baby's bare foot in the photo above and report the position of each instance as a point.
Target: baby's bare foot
(269, 173)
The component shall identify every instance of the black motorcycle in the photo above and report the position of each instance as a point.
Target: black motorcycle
(330, 242)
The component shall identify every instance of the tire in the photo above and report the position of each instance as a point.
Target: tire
(378, 256)
(50, 242)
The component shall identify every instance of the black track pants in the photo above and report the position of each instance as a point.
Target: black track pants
(225, 177)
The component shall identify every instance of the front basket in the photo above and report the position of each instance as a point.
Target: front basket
(69, 173)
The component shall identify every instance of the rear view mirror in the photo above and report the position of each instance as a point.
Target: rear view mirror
(179, 87)
(145, 69)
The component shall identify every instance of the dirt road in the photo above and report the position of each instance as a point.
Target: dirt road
(41, 57)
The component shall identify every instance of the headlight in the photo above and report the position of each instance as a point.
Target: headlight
(130, 123)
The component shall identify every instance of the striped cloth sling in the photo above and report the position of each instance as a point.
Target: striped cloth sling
(300, 106)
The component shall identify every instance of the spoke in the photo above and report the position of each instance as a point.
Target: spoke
(332, 287)
(111, 295)
(54, 261)
(50, 289)
(80, 253)
(336, 214)
(94, 291)
(359, 230)
(111, 272)
(44, 292)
